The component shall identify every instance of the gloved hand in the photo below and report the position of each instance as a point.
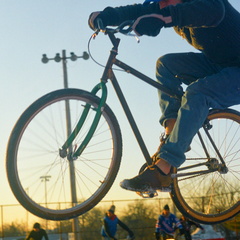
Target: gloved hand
(108, 16)
(92, 20)
(131, 235)
(149, 25)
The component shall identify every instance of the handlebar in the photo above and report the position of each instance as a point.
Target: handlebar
(124, 28)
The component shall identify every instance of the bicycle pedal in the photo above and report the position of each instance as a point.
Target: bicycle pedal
(149, 194)
(166, 189)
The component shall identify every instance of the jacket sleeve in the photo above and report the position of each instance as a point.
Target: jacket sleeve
(115, 16)
(177, 222)
(29, 236)
(158, 226)
(195, 224)
(125, 227)
(45, 235)
(196, 13)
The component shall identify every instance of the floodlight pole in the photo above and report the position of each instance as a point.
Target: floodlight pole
(75, 225)
(63, 58)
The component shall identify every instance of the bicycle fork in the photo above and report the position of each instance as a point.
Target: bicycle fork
(66, 151)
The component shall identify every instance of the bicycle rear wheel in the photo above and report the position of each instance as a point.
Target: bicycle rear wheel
(40, 179)
(213, 197)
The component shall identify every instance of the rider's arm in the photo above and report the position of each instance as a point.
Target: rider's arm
(197, 13)
(114, 16)
(45, 235)
(29, 236)
(158, 228)
(195, 224)
(177, 222)
(125, 227)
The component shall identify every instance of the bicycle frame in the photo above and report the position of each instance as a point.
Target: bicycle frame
(108, 74)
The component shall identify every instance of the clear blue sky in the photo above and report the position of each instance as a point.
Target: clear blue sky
(31, 28)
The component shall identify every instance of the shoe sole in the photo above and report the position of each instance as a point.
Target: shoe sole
(147, 189)
(152, 194)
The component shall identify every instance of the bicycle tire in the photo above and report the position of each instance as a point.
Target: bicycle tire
(33, 155)
(214, 197)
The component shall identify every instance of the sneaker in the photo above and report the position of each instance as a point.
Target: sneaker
(151, 179)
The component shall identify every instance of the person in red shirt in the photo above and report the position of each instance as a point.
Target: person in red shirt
(109, 228)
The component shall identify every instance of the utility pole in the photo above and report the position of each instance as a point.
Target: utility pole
(63, 58)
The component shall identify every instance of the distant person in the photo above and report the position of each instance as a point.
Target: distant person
(37, 233)
(167, 224)
(187, 224)
(109, 228)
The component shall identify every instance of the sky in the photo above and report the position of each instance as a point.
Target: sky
(32, 28)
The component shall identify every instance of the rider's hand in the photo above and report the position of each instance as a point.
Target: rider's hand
(149, 25)
(131, 235)
(92, 20)
(108, 17)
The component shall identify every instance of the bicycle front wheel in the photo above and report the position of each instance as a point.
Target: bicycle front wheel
(212, 197)
(51, 186)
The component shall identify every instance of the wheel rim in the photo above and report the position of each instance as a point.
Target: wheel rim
(213, 197)
(42, 177)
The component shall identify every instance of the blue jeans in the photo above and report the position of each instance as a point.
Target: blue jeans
(210, 86)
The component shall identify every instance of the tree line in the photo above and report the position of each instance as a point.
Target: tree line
(139, 216)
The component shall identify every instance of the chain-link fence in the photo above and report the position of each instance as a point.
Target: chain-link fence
(16, 222)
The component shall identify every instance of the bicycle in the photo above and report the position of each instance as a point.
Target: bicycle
(79, 162)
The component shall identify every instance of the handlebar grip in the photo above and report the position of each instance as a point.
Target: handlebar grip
(124, 28)
(100, 25)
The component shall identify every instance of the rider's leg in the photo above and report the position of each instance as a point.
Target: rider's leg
(219, 90)
(188, 66)
(169, 125)
(168, 67)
